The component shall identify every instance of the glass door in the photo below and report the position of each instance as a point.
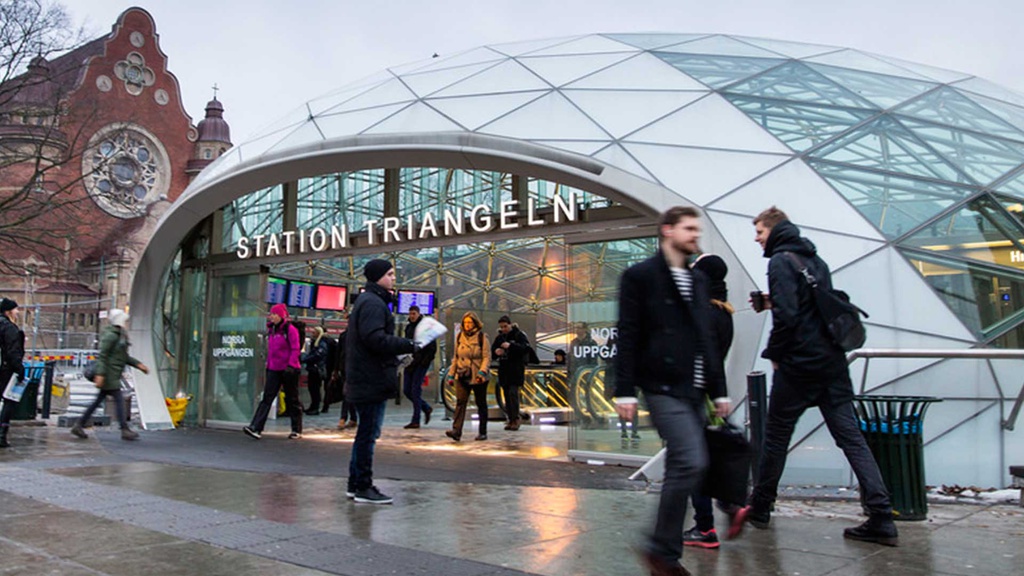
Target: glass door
(235, 350)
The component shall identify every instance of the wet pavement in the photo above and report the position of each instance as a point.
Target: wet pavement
(216, 502)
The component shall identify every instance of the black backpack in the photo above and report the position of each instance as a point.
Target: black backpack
(841, 317)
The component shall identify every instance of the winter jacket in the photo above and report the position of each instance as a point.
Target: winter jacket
(511, 364)
(12, 349)
(661, 335)
(113, 357)
(471, 356)
(315, 359)
(283, 346)
(372, 349)
(799, 342)
(423, 357)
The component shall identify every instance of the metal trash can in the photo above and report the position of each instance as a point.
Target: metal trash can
(26, 408)
(892, 427)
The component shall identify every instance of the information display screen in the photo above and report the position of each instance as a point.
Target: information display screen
(300, 294)
(407, 298)
(331, 297)
(277, 290)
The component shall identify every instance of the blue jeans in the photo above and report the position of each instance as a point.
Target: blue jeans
(680, 423)
(412, 386)
(122, 418)
(360, 466)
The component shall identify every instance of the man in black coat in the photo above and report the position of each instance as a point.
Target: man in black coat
(809, 370)
(12, 354)
(371, 368)
(511, 348)
(416, 371)
(665, 349)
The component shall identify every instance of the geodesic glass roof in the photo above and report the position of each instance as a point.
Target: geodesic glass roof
(866, 151)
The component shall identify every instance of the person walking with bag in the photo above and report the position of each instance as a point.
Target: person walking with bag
(665, 349)
(12, 355)
(283, 367)
(511, 349)
(110, 364)
(809, 369)
(469, 373)
(315, 360)
(416, 372)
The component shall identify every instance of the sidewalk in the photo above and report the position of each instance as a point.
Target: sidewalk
(217, 502)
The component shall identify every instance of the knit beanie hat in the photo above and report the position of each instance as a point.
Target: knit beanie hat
(7, 304)
(376, 269)
(716, 269)
(281, 310)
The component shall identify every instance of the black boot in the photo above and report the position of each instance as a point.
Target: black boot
(3, 436)
(879, 528)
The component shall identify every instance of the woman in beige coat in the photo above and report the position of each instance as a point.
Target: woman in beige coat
(469, 372)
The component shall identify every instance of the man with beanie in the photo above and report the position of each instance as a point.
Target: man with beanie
(12, 354)
(371, 367)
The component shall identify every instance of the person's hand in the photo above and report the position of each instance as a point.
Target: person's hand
(723, 407)
(98, 381)
(499, 352)
(144, 368)
(626, 411)
(775, 365)
(504, 345)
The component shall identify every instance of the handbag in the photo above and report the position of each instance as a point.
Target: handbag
(729, 457)
(89, 372)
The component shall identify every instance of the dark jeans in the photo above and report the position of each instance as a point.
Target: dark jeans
(276, 379)
(412, 385)
(122, 418)
(348, 411)
(703, 513)
(462, 390)
(680, 423)
(360, 466)
(788, 402)
(314, 383)
(511, 394)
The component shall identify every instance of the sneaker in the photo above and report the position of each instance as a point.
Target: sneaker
(129, 434)
(352, 424)
(342, 424)
(295, 436)
(254, 434)
(480, 437)
(737, 518)
(453, 435)
(77, 431)
(878, 528)
(350, 493)
(426, 416)
(312, 412)
(371, 495)
(694, 537)
(757, 518)
(411, 425)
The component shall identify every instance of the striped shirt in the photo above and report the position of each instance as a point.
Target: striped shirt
(684, 283)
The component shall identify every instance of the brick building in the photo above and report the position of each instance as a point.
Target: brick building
(95, 143)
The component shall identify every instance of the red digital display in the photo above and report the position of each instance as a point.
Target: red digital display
(331, 297)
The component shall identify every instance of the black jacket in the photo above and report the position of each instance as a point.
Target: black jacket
(511, 364)
(372, 349)
(423, 357)
(799, 342)
(660, 335)
(12, 347)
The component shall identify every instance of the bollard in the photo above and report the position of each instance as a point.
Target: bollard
(757, 407)
(48, 387)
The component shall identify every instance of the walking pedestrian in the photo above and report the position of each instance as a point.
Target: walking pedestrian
(469, 372)
(511, 350)
(110, 363)
(416, 372)
(809, 369)
(315, 361)
(12, 356)
(665, 349)
(283, 367)
(371, 366)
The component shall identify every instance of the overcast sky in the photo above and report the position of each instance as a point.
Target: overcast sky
(270, 56)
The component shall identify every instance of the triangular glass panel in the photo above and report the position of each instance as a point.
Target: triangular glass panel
(893, 292)
(984, 297)
(475, 111)
(721, 46)
(980, 230)
(426, 83)
(940, 75)
(495, 80)
(349, 123)
(390, 92)
(641, 72)
(738, 234)
(984, 158)
(551, 117)
(795, 81)
(894, 204)
(880, 374)
(990, 89)
(949, 107)
(885, 144)
(623, 111)
(805, 197)
(584, 147)
(800, 126)
(789, 49)
(339, 95)
(702, 175)
(885, 91)
(416, 118)
(837, 249)
(615, 155)
(592, 44)
(305, 134)
(1013, 185)
(1010, 113)
(559, 70)
(289, 121)
(519, 48)
(710, 122)
(718, 71)
(480, 55)
(856, 60)
(653, 41)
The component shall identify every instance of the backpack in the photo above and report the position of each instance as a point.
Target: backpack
(841, 317)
